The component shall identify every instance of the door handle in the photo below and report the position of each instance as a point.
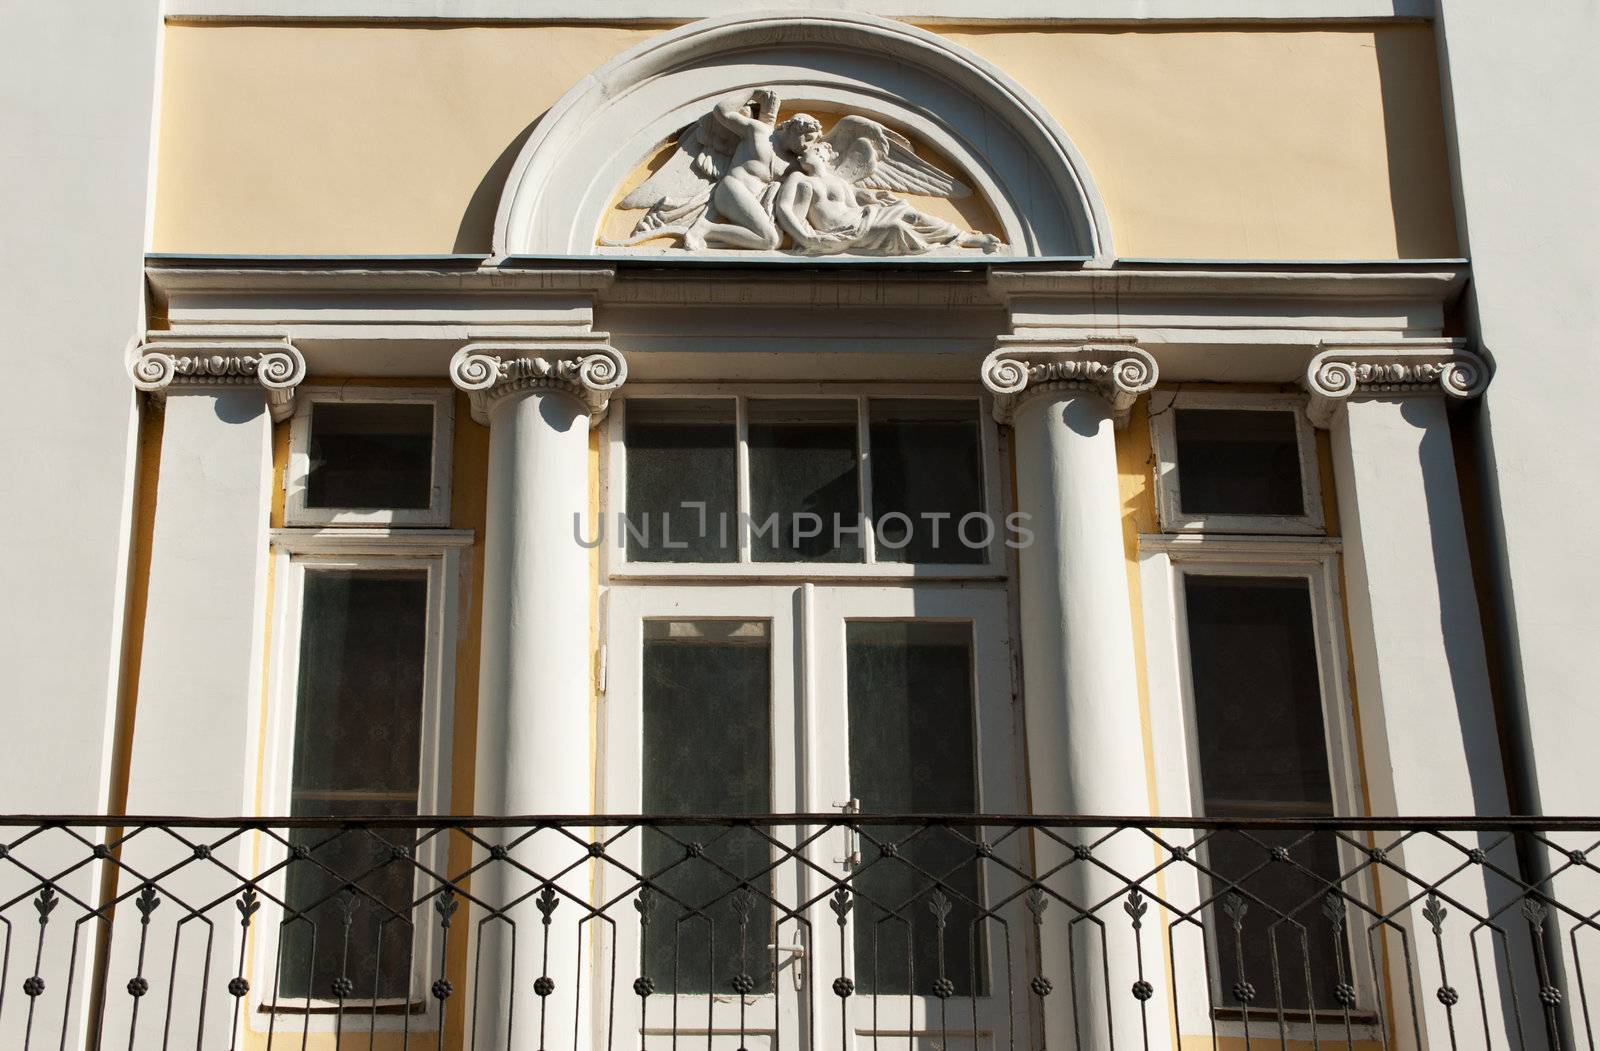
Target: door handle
(797, 956)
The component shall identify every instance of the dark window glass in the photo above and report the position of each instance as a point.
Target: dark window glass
(357, 751)
(1238, 462)
(1263, 753)
(370, 456)
(804, 493)
(682, 451)
(927, 459)
(707, 750)
(909, 689)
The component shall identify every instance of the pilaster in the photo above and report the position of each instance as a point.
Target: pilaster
(1429, 736)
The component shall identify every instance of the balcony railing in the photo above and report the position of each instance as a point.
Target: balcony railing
(803, 931)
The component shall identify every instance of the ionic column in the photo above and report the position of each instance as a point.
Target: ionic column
(195, 732)
(1422, 681)
(534, 752)
(1085, 744)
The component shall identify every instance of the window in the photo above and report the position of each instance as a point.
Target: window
(358, 726)
(1248, 688)
(1262, 750)
(887, 480)
(370, 456)
(1236, 463)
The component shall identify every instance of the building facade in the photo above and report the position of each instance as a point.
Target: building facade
(987, 526)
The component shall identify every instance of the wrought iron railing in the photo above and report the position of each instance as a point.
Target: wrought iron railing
(808, 931)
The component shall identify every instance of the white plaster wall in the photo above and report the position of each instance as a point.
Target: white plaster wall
(76, 96)
(1522, 88)
(76, 93)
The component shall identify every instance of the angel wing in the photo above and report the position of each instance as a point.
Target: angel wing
(872, 156)
(683, 184)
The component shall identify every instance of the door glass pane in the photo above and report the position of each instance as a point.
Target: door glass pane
(707, 750)
(912, 750)
(370, 455)
(805, 500)
(1238, 462)
(681, 451)
(357, 751)
(927, 465)
(1263, 752)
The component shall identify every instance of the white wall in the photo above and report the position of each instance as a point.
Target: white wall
(76, 95)
(1522, 85)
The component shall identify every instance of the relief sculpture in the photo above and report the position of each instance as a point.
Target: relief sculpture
(740, 179)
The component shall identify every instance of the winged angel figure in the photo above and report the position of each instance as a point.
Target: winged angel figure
(740, 179)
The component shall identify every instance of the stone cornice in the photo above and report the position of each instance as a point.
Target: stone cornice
(586, 367)
(1427, 367)
(1018, 369)
(159, 366)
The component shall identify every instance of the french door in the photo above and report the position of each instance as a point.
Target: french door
(752, 699)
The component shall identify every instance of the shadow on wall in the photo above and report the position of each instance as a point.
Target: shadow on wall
(476, 232)
(1413, 128)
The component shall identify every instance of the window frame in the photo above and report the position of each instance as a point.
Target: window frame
(1164, 438)
(1165, 560)
(439, 554)
(297, 473)
(613, 486)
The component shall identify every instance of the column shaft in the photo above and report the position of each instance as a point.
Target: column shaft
(534, 748)
(1081, 703)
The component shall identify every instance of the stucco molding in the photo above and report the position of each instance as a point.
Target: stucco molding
(1339, 374)
(160, 366)
(1019, 370)
(1004, 142)
(922, 12)
(585, 367)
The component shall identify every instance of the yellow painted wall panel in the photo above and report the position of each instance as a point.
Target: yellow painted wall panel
(1254, 144)
(1288, 143)
(353, 139)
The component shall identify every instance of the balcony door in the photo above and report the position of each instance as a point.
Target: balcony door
(728, 701)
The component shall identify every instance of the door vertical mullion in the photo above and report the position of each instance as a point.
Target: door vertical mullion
(869, 545)
(742, 515)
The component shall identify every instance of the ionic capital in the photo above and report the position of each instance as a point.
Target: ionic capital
(585, 367)
(1021, 369)
(1424, 367)
(162, 365)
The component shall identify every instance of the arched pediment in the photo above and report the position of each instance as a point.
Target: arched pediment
(957, 113)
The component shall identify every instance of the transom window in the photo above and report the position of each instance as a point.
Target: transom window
(888, 480)
(369, 456)
(1235, 463)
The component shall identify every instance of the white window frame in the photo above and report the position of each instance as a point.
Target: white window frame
(295, 479)
(1164, 434)
(1164, 561)
(613, 499)
(439, 554)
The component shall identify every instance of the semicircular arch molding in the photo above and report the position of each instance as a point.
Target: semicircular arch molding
(1004, 143)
